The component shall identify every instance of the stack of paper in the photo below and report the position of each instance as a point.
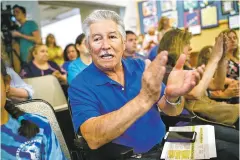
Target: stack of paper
(203, 148)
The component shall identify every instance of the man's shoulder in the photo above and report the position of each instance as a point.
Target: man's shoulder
(30, 22)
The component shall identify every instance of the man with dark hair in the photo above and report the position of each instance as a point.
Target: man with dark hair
(131, 46)
(28, 33)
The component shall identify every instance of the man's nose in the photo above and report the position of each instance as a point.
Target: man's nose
(106, 44)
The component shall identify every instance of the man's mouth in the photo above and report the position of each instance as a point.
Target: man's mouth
(106, 56)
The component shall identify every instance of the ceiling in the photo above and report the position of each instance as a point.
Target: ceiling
(51, 11)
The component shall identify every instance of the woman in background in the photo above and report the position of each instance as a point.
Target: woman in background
(40, 65)
(232, 54)
(163, 27)
(55, 52)
(70, 53)
(231, 86)
(79, 64)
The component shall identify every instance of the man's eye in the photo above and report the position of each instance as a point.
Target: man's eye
(112, 37)
(96, 39)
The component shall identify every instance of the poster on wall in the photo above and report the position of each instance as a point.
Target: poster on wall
(234, 21)
(150, 22)
(209, 17)
(168, 5)
(227, 7)
(190, 4)
(149, 8)
(192, 18)
(173, 17)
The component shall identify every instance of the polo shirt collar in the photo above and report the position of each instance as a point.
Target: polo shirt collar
(100, 78)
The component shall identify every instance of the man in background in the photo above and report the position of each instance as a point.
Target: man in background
(131, 46)
(28, 34)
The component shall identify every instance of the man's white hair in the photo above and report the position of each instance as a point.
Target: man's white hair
(99, 15)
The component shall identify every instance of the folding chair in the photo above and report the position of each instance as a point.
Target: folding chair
(43, 108)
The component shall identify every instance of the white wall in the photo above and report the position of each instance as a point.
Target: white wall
(65, 31)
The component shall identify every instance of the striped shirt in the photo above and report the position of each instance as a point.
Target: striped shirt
(44, 146)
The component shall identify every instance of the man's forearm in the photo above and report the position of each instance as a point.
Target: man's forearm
(37, 40)
(100, 130)
(19, 93)
(168, 109)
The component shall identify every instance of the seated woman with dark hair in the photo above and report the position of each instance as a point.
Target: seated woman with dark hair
(24, 135)
(70, 53)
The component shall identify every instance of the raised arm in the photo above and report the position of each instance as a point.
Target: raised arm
(211, 67)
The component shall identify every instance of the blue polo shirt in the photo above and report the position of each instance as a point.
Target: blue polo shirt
(92, 93)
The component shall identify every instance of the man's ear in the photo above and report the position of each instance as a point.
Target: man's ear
(7, 81)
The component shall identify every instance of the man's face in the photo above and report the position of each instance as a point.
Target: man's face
(18, 14)
(106, 45)
(131, 44)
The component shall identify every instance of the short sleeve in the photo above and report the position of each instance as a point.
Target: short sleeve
(84, 103)
(25, 72)
(73, 71)
(17, 82)
(33, 26)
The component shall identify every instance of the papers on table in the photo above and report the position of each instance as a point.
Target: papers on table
(203, 148)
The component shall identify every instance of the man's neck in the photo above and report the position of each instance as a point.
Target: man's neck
(22, 21)
(4, 116)
(127, 54)
(86, 59)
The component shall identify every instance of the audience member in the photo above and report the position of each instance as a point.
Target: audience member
(163, 27)
(231, 86)
(131, 46)
(28, 34)
(232, 54)
(70, 53)
(176, 42)
(81, 62)
(55, 52)
(24, 135)
(150, 39)
(117, 100)
(40, 66)
(19, 90)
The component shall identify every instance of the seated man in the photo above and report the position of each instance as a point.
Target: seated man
(117, 100)
(131, 46)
